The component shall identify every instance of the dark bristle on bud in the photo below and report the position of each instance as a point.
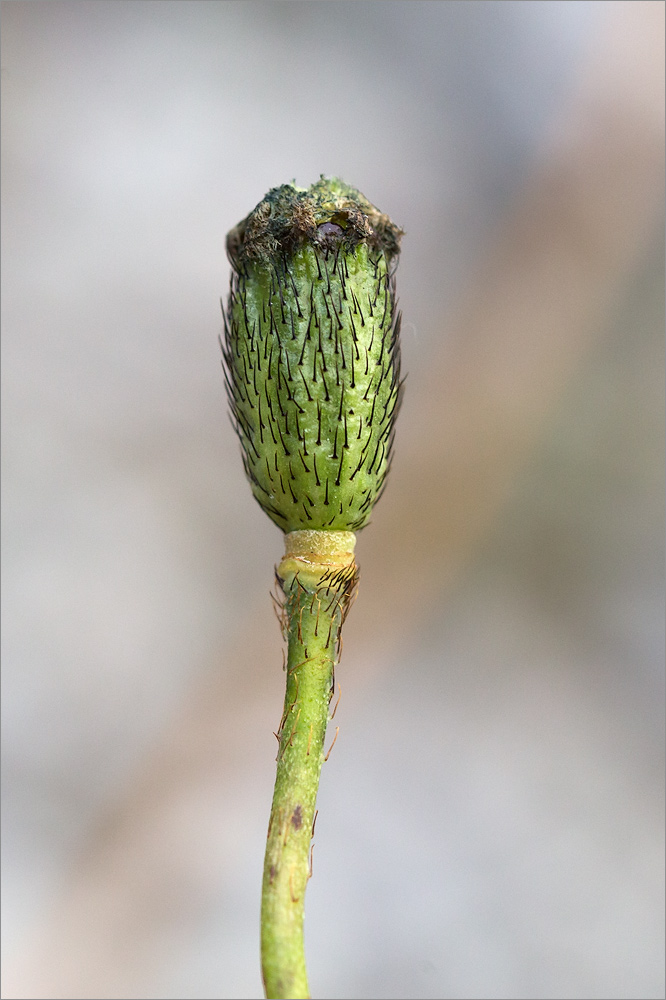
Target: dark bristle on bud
(312, 353)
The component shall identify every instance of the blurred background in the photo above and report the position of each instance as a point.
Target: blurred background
(491, 819)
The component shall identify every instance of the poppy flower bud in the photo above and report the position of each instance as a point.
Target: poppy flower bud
(312, 355)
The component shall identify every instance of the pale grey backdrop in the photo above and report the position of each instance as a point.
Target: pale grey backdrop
(491, 818)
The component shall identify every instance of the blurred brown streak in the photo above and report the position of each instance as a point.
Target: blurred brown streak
(550, 281)
(592, 209)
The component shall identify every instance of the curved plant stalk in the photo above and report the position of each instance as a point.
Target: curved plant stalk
(318, 577)
(312, 366)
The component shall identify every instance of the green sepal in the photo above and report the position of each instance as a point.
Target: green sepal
(312, 354)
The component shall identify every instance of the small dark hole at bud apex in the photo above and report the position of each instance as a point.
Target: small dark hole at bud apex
(329, 230)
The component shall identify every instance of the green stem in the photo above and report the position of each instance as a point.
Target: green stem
(317, 596)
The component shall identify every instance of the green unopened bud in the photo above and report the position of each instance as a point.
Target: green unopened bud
(312, 353)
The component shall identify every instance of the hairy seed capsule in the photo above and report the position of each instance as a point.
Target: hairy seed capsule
(312, 354)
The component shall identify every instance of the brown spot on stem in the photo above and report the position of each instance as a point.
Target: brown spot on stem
(297, 818)
(272, 873)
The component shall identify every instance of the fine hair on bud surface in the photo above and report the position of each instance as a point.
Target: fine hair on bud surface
(312, 353)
